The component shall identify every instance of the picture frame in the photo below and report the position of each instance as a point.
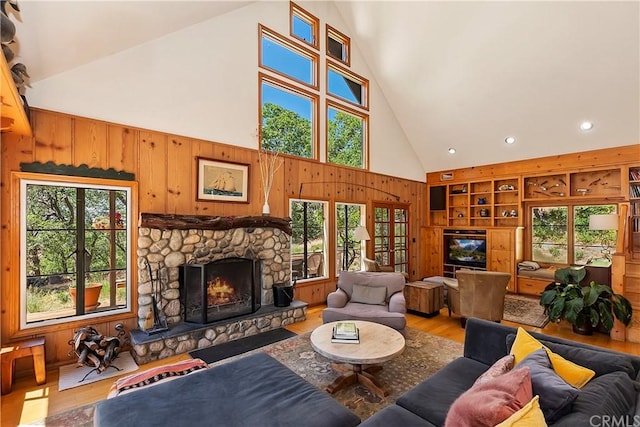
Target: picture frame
(222, 181)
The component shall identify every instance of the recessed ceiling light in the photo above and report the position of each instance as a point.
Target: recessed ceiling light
(452, 151)
(586, 126)
(510, 140)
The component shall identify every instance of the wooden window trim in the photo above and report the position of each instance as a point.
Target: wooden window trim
(315, 131)
(365, 142)
(264, 31)
(351, 75)
(342, 38)
(296, 10)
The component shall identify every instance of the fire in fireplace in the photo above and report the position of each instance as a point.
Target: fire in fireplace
(220, 289)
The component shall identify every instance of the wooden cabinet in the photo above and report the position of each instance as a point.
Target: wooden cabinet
(634, 211)
(12, 115)
(503, 248)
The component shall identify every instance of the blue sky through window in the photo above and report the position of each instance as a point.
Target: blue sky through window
(294, 102)
(291, 63)
(302, 29)
(338, 87)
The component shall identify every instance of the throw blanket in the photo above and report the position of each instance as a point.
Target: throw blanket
(528, 265)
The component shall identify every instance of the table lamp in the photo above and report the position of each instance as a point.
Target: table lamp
(604, 222)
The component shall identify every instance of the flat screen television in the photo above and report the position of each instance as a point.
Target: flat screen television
(467, 251)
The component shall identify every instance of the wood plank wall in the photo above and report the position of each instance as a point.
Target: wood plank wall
(165, 169)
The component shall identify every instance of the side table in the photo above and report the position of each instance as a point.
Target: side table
(424, 298)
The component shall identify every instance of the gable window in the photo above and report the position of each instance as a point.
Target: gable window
(347, 86)
(349, 252)
(347, 132)
(75, 235)
(304, 26)
(288, 119)
(308, 239)
(338, 45)
(561, 235)
(284, 57)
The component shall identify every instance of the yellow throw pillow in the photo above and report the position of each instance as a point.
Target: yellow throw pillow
(572, 373)
(530, 415)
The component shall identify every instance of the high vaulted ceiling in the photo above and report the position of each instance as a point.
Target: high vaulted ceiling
(461, 75)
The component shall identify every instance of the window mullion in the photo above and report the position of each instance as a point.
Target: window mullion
(81, 251)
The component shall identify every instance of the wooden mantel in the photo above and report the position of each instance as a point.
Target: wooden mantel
(205, 222)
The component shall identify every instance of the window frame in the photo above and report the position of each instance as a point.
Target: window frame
(19, 182)
(571, 225)
(326, 257)
(365, 133)
(342, 39)
(315, 133)
(297, 11)
(364, 83)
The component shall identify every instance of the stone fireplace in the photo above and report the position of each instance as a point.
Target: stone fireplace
(169, 243)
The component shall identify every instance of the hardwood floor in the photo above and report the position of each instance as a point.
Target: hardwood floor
(29, 402)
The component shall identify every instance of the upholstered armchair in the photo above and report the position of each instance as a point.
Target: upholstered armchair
(375, 297)
(375, 267)
(477, 294)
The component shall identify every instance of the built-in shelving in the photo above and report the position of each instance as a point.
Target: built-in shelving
(634, 210)
(13, 117)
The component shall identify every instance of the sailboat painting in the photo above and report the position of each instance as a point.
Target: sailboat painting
(223, 181)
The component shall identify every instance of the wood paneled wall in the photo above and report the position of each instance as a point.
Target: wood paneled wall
(165, 169)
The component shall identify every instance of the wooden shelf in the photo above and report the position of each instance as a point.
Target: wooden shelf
(12, 115)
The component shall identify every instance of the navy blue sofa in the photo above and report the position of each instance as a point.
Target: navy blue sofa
(253, 391)
(612, 392)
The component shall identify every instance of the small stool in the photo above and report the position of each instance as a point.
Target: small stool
(33, 347)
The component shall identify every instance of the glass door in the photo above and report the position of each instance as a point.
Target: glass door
(391, 239)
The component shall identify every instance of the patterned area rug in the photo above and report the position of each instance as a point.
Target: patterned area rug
(525, 310)
(424, 355)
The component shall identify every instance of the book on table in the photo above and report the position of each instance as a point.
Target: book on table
(345, 332)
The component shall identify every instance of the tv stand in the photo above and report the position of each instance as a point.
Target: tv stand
(449, 270)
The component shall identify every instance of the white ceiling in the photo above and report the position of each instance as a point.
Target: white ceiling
(456, 74)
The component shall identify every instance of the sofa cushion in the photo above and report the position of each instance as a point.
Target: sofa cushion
(432, 398)
(571, 372)
(371, 313)
(491, 402)
(555, 394)
(369, 294)
(394, 282)
(613, 394)
(501, 367)
(394, 415)
(530, 415)
(255, 390)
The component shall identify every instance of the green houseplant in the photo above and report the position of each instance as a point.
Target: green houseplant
(584, 307)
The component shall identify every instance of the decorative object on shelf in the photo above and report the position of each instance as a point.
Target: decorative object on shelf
(484, 212)
(460, 215)
(584, 307)
(269, 165)
(513, 213)
(482, 201)
(222, 181)
(506, 187)
(462, 189)
(605, 223)
(505, 213)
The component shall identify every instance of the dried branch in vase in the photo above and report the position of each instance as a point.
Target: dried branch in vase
(269, 165)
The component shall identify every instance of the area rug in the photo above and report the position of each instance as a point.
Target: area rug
(233, 348)
(72, 375)
(525, 310)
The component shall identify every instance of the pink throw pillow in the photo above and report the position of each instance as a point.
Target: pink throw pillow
(492, 402)
(501, 367)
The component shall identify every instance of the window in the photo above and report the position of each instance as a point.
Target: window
(338, 45)
(347, 86)
(288, 122)
(349, 251)
(282, 56)
(75, 236)
(347, 131)
(308, 239)
(304, 26)
(561, 235)
(391, 236)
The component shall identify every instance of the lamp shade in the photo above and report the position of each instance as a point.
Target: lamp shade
(360, 233)
(603, 222)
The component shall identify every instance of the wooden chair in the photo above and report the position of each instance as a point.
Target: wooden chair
(32, 347)
(314, 265)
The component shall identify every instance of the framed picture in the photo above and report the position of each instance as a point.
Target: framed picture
(223, 181)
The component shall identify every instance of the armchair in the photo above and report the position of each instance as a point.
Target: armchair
(477, 294)
(374, 266)
(374, 297)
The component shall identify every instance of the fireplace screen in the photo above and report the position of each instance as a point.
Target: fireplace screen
(220, 289)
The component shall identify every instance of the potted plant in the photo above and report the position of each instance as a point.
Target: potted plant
(91, 295)
(584, 307)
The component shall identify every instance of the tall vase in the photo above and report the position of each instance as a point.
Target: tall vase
(265, 209)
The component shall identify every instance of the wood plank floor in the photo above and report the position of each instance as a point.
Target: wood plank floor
(29, 402)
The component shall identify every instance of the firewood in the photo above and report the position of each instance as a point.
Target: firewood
(82, 357)
(111, 352)
(79, 338)
(95, 360)
(91, 344)
(100, 352)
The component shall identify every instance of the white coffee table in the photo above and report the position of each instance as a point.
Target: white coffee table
(378, 344)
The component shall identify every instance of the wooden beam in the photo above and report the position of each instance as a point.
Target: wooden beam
(205, 222)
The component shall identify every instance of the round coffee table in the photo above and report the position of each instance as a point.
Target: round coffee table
(378, 344)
